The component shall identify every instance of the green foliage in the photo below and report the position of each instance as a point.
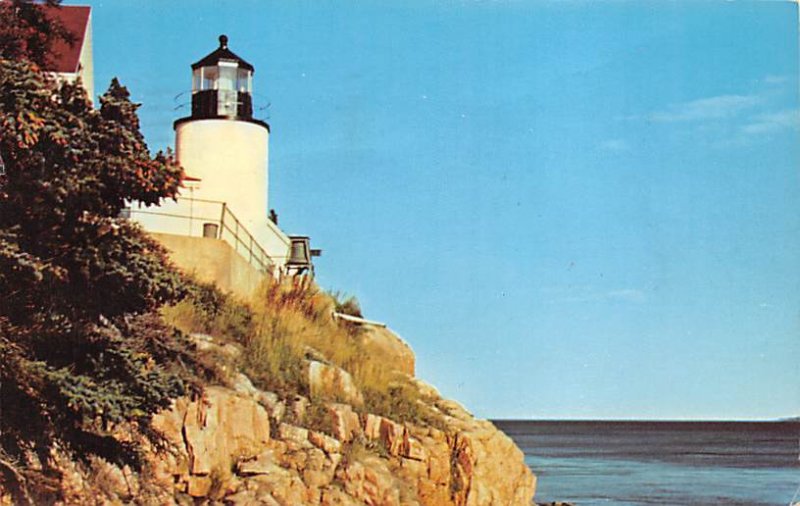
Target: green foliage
(82, 350)
(95, 377)
(69, 171)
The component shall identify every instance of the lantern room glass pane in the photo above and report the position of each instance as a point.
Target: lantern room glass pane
(244, 81)
(227, 79)
(196, 80)
(208, 78)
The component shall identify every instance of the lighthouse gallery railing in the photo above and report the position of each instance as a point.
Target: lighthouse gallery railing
(188, 216)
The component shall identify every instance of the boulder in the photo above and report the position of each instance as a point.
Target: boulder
(337, 497)
(391, 348)
(263, 463)
(204, 342)
(413, 449)
(470, 464)
(392, 436)
(486, 466)
(242, 385)
(206, 434)
(292, 434)
(220, 426)
(372, 426)
(273, 404)
(319, 470)
(199, 486)
(344, 422)
(370, 481)
(324, 442)
(330, 382)
(298, 407)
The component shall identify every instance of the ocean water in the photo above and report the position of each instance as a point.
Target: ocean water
(667, 463)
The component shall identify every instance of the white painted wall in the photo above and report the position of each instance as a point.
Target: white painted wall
(187, 216)
(86, 71)
(230, 158)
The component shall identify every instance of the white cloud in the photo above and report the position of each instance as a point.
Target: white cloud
(732, 120)
(710, 108)
(615, 145)
(773, 122)
(772, 79)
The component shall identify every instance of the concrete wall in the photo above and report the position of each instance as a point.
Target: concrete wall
(184, 217)
(212, 260)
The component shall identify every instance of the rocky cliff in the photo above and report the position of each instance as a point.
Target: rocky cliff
(236, 444)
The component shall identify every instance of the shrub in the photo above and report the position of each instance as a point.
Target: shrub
(393, 395)
(100, 376)
(345, 304)
(274, 360)
(317, 417)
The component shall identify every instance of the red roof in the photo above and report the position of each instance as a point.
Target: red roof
(65, 57)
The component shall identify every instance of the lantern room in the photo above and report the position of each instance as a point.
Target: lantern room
(222, 85)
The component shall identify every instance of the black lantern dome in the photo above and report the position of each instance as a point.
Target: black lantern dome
(222, 85)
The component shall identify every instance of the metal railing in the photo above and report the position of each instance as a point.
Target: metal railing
(180, 219)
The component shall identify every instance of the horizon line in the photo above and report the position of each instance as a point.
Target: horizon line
(795, 419)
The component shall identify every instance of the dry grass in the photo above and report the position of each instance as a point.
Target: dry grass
(295, 313)
(282, 321)
(208, 310)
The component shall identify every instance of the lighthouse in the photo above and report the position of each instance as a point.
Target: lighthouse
(221, 144)
(219, 227)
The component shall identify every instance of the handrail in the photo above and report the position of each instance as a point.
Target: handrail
(252, 251)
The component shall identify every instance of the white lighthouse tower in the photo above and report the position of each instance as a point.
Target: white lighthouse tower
(221, 144)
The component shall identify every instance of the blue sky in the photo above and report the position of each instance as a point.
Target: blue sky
(569, 210)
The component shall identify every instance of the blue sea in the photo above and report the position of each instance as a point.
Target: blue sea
(668, 463)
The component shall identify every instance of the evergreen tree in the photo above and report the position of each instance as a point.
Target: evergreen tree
(81, 348)
(69, 172)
